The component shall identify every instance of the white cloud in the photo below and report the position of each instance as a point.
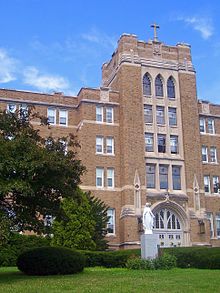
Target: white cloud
(201, 24)
(8, 67)
(44, 82)
(100, 38)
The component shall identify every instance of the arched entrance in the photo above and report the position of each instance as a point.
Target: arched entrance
(170, 224)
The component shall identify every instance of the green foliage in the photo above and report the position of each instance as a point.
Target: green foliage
(50, 261)
(165, 262)
(17, 244)
(109, 259)
(34, 172)
(81, 224)
(196, 257)
(4, 228)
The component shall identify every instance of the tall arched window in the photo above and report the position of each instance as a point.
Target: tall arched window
(170, 88)
(146, 85)
(158, 86)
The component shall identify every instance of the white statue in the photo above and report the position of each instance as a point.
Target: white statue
(148, 219)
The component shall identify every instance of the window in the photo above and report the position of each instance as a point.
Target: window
(48, 220)
(176, 177)
(215, 182)
(170, 88)
(217, 218)
(99, 114)
(148, 114)
(210, 218)
(110, 177)
(51, 115)
(23, 111)
(99, 177)
(63, 114)
(99, 144)
(150, 175)
(11, 108)
(202, 125)
(110, 145)
(213, 155)
(172, 116)
(149, 142)
(163, 176)
(146, 85)
(174, 146)
(207, 184)
(204, 154)
(160, 115)
(158, 86)
(161, 141)
(111, 221)
(109, 115)
(64, 146)
(211, 126)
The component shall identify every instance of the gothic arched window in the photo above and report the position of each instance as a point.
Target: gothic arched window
(165, 219)
(146, 85)
(170, 88)
(158, 86)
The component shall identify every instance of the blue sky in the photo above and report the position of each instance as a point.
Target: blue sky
(60, 45)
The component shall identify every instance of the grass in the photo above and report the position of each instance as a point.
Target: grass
(97, 280)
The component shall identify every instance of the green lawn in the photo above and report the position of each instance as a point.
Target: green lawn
(113, 280)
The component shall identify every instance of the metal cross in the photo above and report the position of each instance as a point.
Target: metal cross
(155, 26)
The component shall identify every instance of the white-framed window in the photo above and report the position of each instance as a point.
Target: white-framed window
(150, 175)
(213, 154)
(215, 184)
(51, 115)
(207, 184)
(149, 142)
(99, 145)
(174, 145)
(99, 177)
(210, 218)
(202, 125)
(99, 114)
(176, 177)
(148, 114)
(204, 153)
(217, 219)
(109, 115)
(160, 115)
(23, 111)
(172, 116)
(110, 145)
(211, 126)
(111, 221)
(110, 178)
(161, 143)
(11, 108)
(63, 117)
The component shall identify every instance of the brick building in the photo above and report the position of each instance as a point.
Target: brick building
(144, 138)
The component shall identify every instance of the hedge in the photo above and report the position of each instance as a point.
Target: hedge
(45, 261)
(109, 259)
(195, 257)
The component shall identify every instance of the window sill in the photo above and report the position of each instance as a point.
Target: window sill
(110, 235)
(105, 155)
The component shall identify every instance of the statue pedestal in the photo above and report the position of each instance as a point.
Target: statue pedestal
(149, 247)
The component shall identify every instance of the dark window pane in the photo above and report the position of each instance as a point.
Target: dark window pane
(146, 85)
(170, 88)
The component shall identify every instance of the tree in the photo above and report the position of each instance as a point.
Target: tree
(35, 172)
(82, 223)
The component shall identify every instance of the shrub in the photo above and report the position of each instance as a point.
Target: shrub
(17, 244)
(140, 264)
(165, 262)
(196, 257)
(50, 261)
